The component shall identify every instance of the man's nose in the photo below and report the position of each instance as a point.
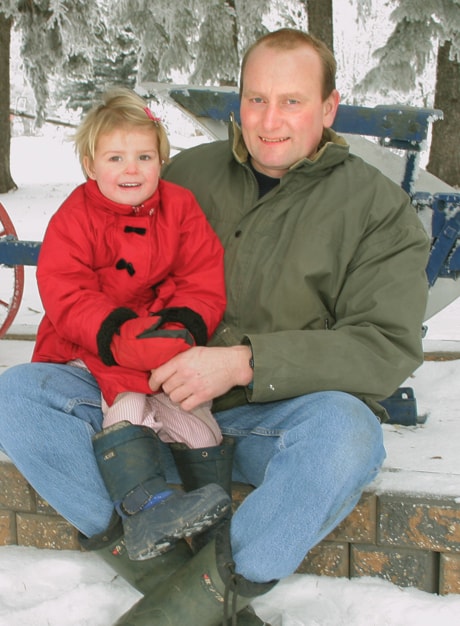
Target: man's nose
(272, 116)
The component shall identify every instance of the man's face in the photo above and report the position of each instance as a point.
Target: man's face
(282, 109)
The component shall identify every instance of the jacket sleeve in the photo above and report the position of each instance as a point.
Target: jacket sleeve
(374, 339)
(68, 284)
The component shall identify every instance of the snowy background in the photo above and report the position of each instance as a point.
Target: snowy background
(63, 588)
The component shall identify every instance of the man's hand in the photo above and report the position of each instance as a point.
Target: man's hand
(202, 374)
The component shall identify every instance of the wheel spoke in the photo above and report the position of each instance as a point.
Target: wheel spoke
(11, 279)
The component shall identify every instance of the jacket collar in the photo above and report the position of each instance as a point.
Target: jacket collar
(332, 150)
(99, 201)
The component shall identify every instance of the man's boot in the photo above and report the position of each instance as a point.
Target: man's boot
(205, 591)
(198, 467)
(154, 515)
(142, 575)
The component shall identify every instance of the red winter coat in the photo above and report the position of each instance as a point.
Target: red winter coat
(98, 256)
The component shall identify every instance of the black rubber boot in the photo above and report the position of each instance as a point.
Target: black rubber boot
(201, 466)
(154, 515)
(142, 575)
(205, 591)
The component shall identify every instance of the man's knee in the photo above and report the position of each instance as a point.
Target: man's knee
(345, 426)
(12, 381)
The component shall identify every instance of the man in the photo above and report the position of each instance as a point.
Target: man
(326, 289)
(326, 292)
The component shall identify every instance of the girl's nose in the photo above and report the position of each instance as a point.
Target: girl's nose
(131, 166)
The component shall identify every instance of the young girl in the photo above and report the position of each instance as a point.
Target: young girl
(130, 273)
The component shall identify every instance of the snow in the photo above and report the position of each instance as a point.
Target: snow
(69, 588)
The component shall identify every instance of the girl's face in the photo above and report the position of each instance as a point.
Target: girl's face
(126, 165)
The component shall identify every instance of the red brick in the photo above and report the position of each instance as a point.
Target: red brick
(15, 492)
(327, 559)
(425, 523)
(43, 507)
(449, 574)
(361, 525)
(46, 531)
(7, 528)
(403, 567)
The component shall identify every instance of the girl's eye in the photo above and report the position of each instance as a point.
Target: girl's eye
(144, 157)
(115, 158)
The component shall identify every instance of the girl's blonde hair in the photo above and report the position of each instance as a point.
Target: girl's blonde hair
(120, 108)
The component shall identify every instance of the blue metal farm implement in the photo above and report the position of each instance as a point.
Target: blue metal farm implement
(399, 127)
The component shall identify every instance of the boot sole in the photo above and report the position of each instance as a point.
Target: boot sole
(167, 543)
(156, 545)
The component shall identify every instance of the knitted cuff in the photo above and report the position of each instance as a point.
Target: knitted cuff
(109, 327)
(192, 321)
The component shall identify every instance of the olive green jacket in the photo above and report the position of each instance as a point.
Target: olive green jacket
(325, 274)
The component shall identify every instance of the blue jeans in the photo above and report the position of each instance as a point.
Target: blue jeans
(310, 458)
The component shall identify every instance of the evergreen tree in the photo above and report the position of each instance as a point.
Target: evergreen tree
(57, 35)
(202, 41)
(114, 63)
(422, 30)
(165, 33)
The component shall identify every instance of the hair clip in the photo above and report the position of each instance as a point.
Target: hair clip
(149, 113)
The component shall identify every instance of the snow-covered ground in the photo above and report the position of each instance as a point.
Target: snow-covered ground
(52, 588)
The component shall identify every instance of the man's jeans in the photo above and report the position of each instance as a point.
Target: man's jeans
(310, 458)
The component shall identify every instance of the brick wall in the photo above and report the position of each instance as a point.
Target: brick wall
(410, 541)
(26, 519)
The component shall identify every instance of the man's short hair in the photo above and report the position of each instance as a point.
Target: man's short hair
(290, 39)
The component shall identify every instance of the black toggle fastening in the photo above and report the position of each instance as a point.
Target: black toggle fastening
(135, 229)
(125, 265)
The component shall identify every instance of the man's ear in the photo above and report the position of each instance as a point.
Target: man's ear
(88, 167)
(331, 104)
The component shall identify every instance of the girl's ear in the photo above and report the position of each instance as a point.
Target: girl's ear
(88, 167)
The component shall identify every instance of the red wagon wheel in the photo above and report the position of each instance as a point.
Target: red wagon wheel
(11, 279)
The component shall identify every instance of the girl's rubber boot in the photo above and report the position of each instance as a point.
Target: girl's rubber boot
(198, 467)
(154, 515)
(201, 466)
(205, 591)
(142, 575)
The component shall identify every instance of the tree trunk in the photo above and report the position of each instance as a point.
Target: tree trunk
(6, 181)
(320, 21)
(231, 5)
(444, 161)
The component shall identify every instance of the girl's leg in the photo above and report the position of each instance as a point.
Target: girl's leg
(196, 429)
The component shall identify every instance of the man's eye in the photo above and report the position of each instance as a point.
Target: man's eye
(257, 100)
(292, 101)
